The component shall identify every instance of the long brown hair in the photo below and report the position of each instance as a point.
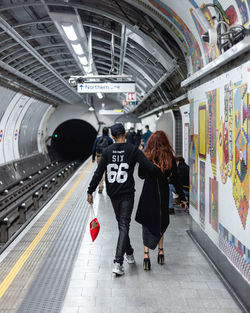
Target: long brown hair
(159, 150)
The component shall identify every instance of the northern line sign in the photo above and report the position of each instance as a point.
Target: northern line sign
(95, 87)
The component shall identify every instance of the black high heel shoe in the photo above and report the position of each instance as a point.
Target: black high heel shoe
(146, 263)
(160, 258)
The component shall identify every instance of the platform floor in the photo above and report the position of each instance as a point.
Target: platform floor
(186, 283)
(54, 266)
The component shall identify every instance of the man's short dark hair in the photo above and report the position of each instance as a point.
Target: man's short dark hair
(147, 126)
(105, 131)
(117, 130)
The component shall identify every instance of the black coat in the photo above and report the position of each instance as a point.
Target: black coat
(153, 211)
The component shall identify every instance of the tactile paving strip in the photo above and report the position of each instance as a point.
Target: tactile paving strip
(48, 290)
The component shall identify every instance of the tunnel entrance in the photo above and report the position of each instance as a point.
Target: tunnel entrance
(72, 140)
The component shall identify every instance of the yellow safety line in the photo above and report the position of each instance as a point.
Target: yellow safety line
(24, 257)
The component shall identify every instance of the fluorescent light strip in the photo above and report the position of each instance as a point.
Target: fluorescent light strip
(77, 48)
(70, 32)
(83, 60)
(86, 69)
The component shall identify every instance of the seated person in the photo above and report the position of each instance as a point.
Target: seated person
(183, 174)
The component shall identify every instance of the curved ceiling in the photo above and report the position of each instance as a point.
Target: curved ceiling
(142, 38)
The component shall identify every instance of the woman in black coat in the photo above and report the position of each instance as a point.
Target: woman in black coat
(153, 211)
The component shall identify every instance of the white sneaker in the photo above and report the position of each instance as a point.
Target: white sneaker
(130, 258)
(118, 269)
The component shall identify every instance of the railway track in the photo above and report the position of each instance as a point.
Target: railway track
(21, 202)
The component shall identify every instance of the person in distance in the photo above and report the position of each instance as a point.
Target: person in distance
(100, 144)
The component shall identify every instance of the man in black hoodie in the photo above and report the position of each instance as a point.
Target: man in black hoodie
(118, 162)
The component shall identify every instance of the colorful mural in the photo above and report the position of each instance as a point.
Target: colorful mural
(193, 46)
(241, 150)
(202, 130)
(193, 193)
(213, 124)
(225, 135)
(224, 176)
(235, 251)
(191, 117)
(242, 6)
(213, 203)
(194, 171)
(210, 52)
(202, 194)
(232, 15)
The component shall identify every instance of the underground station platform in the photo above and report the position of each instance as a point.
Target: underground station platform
(53, 266)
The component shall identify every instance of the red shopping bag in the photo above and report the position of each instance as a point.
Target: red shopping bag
(94, 226)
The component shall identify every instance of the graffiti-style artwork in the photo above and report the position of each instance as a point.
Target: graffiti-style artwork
(248, 3)
(201, 31)
(202, 130)
(194, 171)
(225, 135)
(235, 251)
(213, 203)
(213, 124)
(243, 12)
(192, 44)
(195, 5)
(222, 11)
(193, 194)
(241, 150)
(229, 14)
(202, 194)
(191, 114)
(232, 15)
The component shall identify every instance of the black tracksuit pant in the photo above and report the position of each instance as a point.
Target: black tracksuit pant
(123, 208)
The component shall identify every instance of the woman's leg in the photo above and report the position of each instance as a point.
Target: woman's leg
(146, 260)
(160, 245)
(160, 258)
(146, 252)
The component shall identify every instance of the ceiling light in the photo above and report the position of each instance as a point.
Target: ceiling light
(78, 49)
(70, 32)
(83, 60)
(99, 95)
(91, 109)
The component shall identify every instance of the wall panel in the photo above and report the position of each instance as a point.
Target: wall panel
(166, 122)
(29, 128)
(220, 163)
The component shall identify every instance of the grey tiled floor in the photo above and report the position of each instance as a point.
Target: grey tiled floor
(184, 284)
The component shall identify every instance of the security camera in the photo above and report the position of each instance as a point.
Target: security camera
(72, 82)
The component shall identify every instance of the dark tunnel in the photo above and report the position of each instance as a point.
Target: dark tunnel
(72, 140)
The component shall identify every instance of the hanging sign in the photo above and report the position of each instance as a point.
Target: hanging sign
(111, 112)
(131, 96)
(126, 103)
(94, 87)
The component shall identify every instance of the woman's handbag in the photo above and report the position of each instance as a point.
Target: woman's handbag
(94, 225)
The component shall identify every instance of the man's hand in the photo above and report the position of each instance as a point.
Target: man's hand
(93, 160)
(184, 203)
(90, 199)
